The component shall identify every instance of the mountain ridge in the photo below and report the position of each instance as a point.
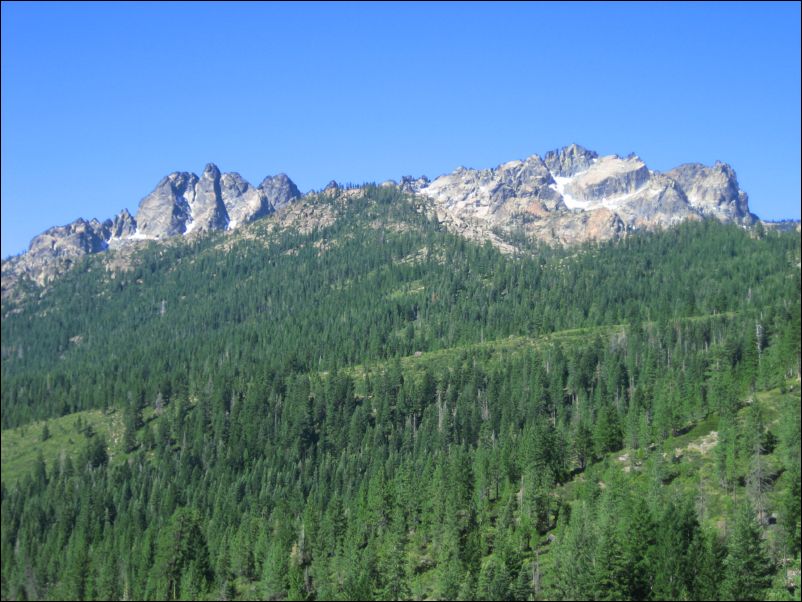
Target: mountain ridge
(569, 196)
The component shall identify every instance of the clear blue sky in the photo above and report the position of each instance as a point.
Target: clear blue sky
(99, 102)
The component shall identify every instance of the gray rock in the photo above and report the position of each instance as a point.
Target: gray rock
(331, 187)
(73, 240)
(714, 191)
(53, 252)
(166, 211)
(570, 196)
(609, 177)
(569, 160)
(410, 184)
(207, 210)
(243, 202)
(279, 190)
(123, 225)
(573, 195)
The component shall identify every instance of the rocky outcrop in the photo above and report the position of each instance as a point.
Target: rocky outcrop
(713, 191)
(569, 161)
(572, 195)
(495, 194)
(166, 211)
(279, 190)
(181, 204)
(73, 240)
(123, 225)
(54, 251)
(206, 208)
(243, 202)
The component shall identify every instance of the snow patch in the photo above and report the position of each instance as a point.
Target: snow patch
(570, 201)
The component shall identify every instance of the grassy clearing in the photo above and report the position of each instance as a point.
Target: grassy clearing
(441, 359)
(22, 445)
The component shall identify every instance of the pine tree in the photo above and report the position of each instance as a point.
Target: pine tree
(182, 556)
(747, 568)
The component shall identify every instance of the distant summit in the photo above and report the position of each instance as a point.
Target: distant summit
(570, 196)
(573, 195)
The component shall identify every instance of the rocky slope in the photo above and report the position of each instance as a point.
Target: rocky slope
(572, 195)
(569, 196)
(182, 203)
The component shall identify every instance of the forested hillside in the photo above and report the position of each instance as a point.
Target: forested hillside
(378, 409)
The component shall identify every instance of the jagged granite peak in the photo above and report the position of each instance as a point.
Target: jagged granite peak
(207, 210)
(180, 204)
(571, 195)
(183, 203)
(123, 225)
(53, 252)
(72, 240)
(511, 188)
(569, 160)
(242, 202)
(279, 190)
(541, 196)
(713, 191)
(166, 211)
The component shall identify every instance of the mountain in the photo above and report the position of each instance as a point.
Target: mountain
(345, 400)
(181, 204)
(570, 196)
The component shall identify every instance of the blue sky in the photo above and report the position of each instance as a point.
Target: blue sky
(99, 102)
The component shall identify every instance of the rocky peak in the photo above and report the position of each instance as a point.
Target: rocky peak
(713, 190)
(547, 197)
(211, 172)
(410, 184)
(180, 203)
(569, 160)
(279, 190)
(207, 210)
(166, 211)
(123, 225)
(609, 177)
(76, 238)
(242, 202)
(54, 251)
(569, 196)
(332, 186)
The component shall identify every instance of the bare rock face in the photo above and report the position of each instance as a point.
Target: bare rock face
(493, 194)
(279, 190)
(206, 208)
(573, 195)
(54, 251)
(570, 196)
(123, 226)
(243, 202)
(166, 211)
(413, 185)
(182, 203)
(713, 191)
(73, 240)
(569, 161)
(608, 177)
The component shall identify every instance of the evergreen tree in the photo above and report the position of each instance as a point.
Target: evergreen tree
(747, 568)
